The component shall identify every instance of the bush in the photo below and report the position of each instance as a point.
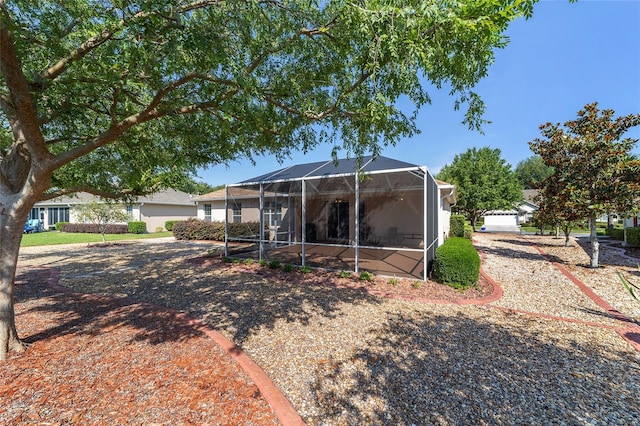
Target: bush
(457, 263)
(468, 232)
(196, 229)
(92, 228)
(287, 267)
(456, 223)
(633, 237)
(366, 276)
(616, 233)
(274, 264)
(59, 225)
(168, 225)
(137, 227)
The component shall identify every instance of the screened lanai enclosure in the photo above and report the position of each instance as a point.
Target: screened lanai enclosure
(382, 218)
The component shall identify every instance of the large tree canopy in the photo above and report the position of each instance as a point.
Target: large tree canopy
(532, 171)
(484, 181)
(116, 96)
(594, 169)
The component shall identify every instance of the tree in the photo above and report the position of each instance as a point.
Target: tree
(114, 98)
(594, 169)
(484, 181)
(551, 210)
(193, 187)
(532, 171)
(102, 214)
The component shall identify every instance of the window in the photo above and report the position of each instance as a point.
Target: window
(58, 214)
(34, 214)
(207, 212)
(237, 213)
(272, 213)
(129, 208)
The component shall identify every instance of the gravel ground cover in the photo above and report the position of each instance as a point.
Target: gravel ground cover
(350, 357)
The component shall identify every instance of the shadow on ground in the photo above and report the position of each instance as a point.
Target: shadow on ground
(434, 369)
(225, 297)
(90, 314)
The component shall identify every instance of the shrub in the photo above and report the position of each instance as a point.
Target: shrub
(344, 274)
(263, 262)
(195, 229)
(456, 223)
(137, 227)
(416, 284)
(468, 232)
(168, 225)
(92, 228)
(393, 281)
(616, 233)
(304, 269)
(287, 268)
(59, 225)
(274, 264)
(366, 276)
(633, 237)
(457, 263)
(248, 261)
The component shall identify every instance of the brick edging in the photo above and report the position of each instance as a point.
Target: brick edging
(282, 407)
(630, 332)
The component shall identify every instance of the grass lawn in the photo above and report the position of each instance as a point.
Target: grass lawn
(550, 231)
(56, 237)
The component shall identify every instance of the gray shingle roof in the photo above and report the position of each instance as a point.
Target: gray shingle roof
(329, 168)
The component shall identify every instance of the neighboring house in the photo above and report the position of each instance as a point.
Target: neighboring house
(510, 220)
(154, 209)
(396, 207)
(632, 222)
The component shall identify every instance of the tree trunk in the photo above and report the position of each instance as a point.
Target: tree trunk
(11, 228)
(567, 234)
(593, 238)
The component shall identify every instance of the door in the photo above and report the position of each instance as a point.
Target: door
(338, 220)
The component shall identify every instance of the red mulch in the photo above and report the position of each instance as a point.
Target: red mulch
(96, 360)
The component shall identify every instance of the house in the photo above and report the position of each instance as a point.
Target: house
(632, 222)
(154, 209)
(510, 220)
(387, 217)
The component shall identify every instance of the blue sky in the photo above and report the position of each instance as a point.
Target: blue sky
(567, 55)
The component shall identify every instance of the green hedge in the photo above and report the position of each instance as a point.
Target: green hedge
(90, 228)
(456, 223)
(137, 227)
(457, 263)
(633, 237)
(168, 225)
(615, 233)
(195, 229)
(468, 232)
(59, 225)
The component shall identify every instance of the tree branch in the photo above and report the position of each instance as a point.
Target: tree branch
(107, 33)
(25, 117)
(89, 190)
